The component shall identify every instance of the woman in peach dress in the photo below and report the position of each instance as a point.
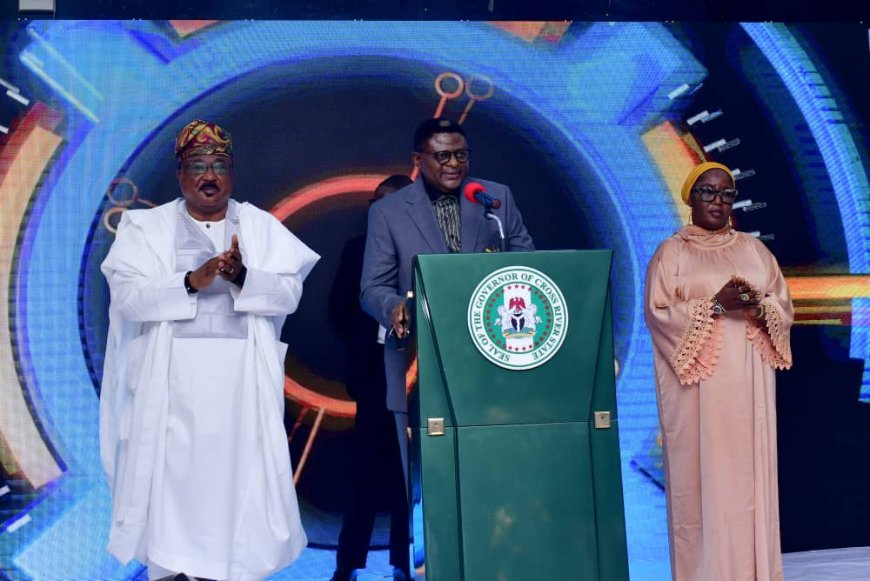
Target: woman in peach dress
(719, 312)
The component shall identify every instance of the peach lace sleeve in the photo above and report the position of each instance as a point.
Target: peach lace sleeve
(697, 353)
(770, 336)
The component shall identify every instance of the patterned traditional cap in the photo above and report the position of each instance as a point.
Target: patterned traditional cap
(202, 138)
(696, 173)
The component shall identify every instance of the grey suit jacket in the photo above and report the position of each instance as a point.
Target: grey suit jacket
(403, 225)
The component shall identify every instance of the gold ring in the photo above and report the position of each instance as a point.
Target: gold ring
(744, 297)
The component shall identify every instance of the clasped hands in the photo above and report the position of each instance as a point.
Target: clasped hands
(227, 265)
(738, 294)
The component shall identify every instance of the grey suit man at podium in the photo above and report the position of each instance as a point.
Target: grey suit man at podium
(443, 211)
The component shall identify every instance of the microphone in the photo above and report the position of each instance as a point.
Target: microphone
(475, 193)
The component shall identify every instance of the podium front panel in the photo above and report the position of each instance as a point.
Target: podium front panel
(520, 502)
(518, 481)
(483, 393)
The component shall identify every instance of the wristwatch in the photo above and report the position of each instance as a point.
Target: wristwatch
(187, 286)
(718, 309)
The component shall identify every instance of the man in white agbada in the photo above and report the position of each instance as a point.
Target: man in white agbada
(191, 411)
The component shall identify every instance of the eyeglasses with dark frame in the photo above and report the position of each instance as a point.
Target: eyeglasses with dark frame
(708, 194)
(198, 168)
(443, 157)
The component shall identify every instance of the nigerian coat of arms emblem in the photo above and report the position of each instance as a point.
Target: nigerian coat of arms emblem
(517, 317)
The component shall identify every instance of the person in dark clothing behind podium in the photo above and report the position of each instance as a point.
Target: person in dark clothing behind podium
(377, 480)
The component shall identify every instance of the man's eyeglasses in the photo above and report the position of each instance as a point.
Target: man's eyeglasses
(708, 194)
(198, 168)
(443, 157)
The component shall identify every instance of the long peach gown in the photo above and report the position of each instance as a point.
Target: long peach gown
(715, 383)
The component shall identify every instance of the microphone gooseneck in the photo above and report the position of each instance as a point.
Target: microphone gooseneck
(492, 216)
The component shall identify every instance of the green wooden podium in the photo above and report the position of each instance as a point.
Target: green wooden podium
(515, 452)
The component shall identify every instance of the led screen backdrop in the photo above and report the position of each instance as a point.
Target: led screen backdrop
(592, 125)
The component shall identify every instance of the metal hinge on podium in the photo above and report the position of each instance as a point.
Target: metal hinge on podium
(602, 420)
(435, 426)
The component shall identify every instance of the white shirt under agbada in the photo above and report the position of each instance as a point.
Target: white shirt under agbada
(191, 429)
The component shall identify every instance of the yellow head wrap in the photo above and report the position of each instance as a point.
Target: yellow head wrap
(202, 138)
(696, 173)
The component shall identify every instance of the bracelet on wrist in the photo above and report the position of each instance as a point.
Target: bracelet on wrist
(187, 286)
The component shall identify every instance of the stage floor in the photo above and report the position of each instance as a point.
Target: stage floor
(851, 564)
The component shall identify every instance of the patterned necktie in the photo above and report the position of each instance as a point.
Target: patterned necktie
(447, 212)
